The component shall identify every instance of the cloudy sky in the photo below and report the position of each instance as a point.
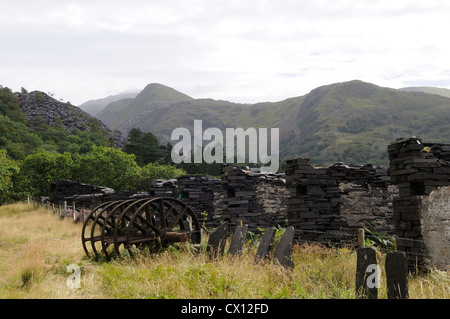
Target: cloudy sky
(243, 51)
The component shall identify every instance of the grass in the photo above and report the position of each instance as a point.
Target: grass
(36, 247)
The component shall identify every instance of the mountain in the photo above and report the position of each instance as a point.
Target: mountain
(38, 107)
(128, 113)
(428, 89)
(352, 121)
(93, 107)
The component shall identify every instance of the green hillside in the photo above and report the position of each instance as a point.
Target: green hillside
(352, 122)
(428, 89)
(126, 113)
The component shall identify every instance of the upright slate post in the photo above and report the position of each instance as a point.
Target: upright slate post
(265, 244)
(366, 274)
(237, 242)
(397, 275)
(217, 240)
(283, 252)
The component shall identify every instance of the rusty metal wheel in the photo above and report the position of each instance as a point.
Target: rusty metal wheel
(162, 221)
(113, 226)
(86, 231)
(122, 223)
(125, 225)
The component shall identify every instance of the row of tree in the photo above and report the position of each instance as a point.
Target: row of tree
(105, 166)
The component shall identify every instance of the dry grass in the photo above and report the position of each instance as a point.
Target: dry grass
(36, 248)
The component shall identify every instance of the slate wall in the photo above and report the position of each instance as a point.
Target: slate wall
(330, 204)
(417, 169)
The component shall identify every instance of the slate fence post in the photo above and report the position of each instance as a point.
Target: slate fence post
(366, 261)
(397, 275)
(265, 244)
(282, 254)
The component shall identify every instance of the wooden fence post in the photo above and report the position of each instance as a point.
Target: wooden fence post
(361, 238)
(366, 261)
(73, 212)
(397, 275)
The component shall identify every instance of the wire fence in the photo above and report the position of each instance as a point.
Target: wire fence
(332, 237)
(354, 237)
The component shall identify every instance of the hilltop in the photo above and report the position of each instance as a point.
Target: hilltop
(38, 107)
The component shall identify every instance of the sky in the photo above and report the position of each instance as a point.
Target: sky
(243, 51)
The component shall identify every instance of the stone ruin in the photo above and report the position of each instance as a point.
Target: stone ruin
(421, 172)
(409, 200)
(330, 204)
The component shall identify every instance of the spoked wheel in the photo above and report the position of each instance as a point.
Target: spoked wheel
(128, 225)
(160, 222)
(86, 235)
(111, 224)
(122, 223)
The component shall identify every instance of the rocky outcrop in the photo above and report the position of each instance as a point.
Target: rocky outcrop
(38, 106)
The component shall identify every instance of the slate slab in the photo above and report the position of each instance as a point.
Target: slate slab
(217, 240)
(265, 244)
(237, 241)
(282, 254)
(396, 266)
(365, 259)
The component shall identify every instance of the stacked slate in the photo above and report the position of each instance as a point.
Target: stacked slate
(329, 204)
(272, 194)
(418, 169)
(238, 186)
(199, 192)
(256, 199)
(164, 188)
(86, 195)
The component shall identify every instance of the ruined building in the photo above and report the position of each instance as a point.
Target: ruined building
(409, 201)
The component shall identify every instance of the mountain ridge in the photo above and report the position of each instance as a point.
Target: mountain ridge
(350, 121)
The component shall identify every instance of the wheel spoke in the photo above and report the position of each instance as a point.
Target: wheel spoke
(177, 218)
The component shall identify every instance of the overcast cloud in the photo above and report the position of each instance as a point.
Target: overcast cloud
(242, 51)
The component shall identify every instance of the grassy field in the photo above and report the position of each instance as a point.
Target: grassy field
(36, 247)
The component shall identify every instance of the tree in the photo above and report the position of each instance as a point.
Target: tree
(8, 168)
(107, 166)
(145, 146)
(155, 171)
(38, 170)
(9, 105)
